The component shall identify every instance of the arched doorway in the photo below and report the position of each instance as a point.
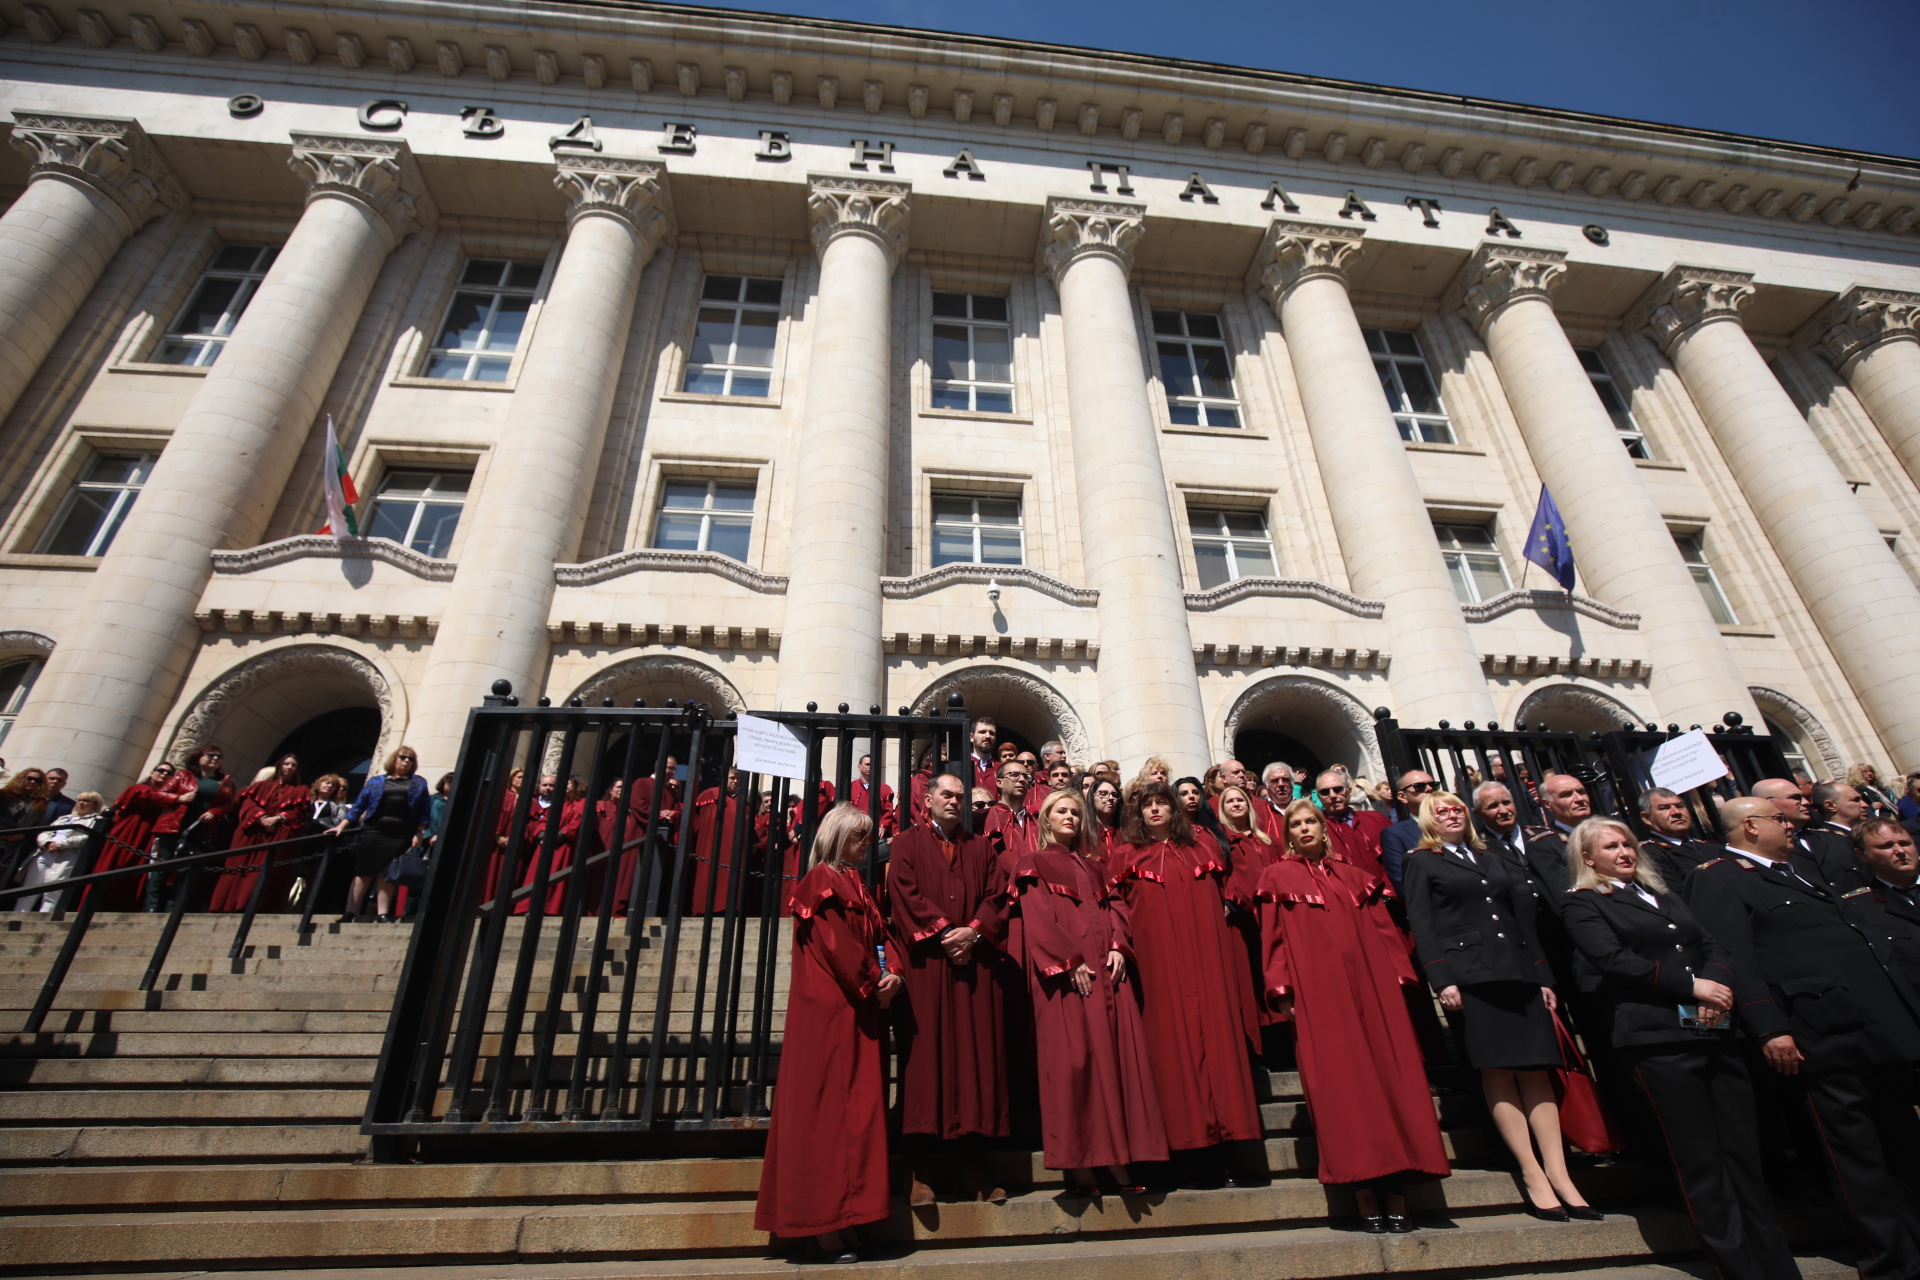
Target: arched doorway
(1025, 708)
(293, 694)
(1303, 721)
(1802, 738)
(1258, 748)
(1572, 708)
(658, 678)
(340, 741)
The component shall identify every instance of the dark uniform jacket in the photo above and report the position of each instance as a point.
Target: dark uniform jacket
(1648, 955)
(1807, 965)
(1676, 859)
(1831, 849)
(1472, 923)
(1547, 858)
(1892, 914)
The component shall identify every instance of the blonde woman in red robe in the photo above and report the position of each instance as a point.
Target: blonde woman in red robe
(1250, 852)
(825, 1171)
(274, 808)
(1098, 1106)
(1335, 964)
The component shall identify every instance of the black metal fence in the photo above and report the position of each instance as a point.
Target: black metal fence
(609, 963)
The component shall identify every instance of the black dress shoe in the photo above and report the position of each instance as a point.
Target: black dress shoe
(1375, 1225)
(1583, 1213)
(1400, 1224)
(1556, 1214)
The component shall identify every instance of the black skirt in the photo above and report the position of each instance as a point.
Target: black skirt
(374, 849)
(1505, 1025)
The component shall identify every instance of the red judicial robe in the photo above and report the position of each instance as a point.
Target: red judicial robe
(1251, 857)
(640, 802)
(1272, 821)
(1192, 972)
(986, 773)
(1017, 833)
(128, 842)
(826, 1162)
(502, 824)
(953, 1073)
(213, 819)
(1098, 1105)
(1331, 945)
(713, 866)
(263, 800)
(569, 814)
(1358, 840)
(861, 795)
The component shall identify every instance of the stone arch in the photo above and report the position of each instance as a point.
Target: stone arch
(1794, 716)
(1318, 714)
(24, 642)
(658, 677)
(1573, 708)
(252, 706)
(1018, 699)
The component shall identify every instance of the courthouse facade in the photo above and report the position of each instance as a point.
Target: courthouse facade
(1157, 407)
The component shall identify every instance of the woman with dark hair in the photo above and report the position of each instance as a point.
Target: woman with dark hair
(1196, 992)
(1193, 797)
(203, 800)
(24, 803)
(274, 809)
(437, 812)
(392, 812)
(1104, 819)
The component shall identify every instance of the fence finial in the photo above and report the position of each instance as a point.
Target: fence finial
(503, 688)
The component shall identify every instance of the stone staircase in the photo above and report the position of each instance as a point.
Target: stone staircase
(213, 1124)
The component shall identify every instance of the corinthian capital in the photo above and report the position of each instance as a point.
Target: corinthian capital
(1075, 228)
(856, 206)
(1686, 298)
(376, 173)
(634, 191)
(1292, 252)
(110, 156)
(1858, 321)
(1498, 275)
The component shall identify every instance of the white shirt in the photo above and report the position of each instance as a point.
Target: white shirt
(1780, 864)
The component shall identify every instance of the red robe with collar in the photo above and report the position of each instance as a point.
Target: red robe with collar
(264, 800)
(1358, 840)
(128, 842)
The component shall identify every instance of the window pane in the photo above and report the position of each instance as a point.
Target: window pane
(117, 468)
(1219, 416)
(706, 381)
(712, 336)
(1689, 545)
(391, 520)
(950, 304)
(1211, 560)
(1401, 344)
(993, 401)
(947, 506)
(398, 482)
(1176, 369)
(1610, 398)
(1436, 432)
(999, 511)
(1167, 322)
(1216, 374)
(685, 493)
(1590, 361)
(720, 289)
(448, 366)
(986, 307)
(1710, 592)
(16, 681)
(235, 257)
(733, 497)
(88, 509)
(1247, 524)
(491, 369)
(1421, 397)
(1388, 386)
(1203, 326)
(1376, 341)
(208, 306)
(765, 293)
(951, 547)
(1000, 548)
(186, 353)
(730, 538)
(750, 384)
(1254, 559)
(757, 332)
(523, 275)
(466, 319)
(508, 321)
(948, 397)
(1184, 415)
(448, 482)
(1457, 571)
(434, 536)
(482, 271)
(1203, 524)
(992, 355)
(1474, 537)
(677, 532)
(949, 351)
(1489, 577)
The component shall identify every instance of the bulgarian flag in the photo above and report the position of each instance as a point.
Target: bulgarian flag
(341, 494)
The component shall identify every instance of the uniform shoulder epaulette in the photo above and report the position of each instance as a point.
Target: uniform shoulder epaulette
(1854, 893)
(1711, 862)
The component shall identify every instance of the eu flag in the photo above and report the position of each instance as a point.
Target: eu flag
(1547, 541)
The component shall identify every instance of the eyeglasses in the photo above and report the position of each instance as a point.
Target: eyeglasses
(1333, 791)
(981, 804)
(1450, 808)
(1420, 788)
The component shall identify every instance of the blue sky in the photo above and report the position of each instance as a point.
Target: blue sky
(1833, 72)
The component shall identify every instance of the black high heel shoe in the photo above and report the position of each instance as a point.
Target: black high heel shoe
(1556, 1214)
(1583, 1212)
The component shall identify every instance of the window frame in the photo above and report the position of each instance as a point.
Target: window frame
(975, 525)
(1416, 421)
(972, 384)
(1225, 537)
(534, 293)
(428, 497)
(707, 512)
(1236, 404)
(1704, 565)
(688, 365)
(122, 505)
(1605, 384)
(12, 706)
(210, 345)
(1466, 586)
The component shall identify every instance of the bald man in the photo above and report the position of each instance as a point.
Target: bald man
(1823, 997)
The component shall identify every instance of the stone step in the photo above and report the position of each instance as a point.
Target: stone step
(230, 1022)
(177, 1106)
(180, 1143)
(279, 999)
(185, 1071)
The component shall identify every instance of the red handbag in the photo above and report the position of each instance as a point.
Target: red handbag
(1583, 1118)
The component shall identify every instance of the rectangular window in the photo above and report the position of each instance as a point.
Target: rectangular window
(972, 353)
(16, 682)
(733, 337)
(98, 504)
(1693, 550)
(1616, 404)
(971, 529)
(1473, 561)
(484, 321)
(1230, 543)
(1195, 369)
(203, 326)
(420, 509)
(1411, 392)
(705, 515)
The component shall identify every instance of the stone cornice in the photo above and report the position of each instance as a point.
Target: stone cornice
(1686, 298)
(1500, 274)
(105, 154)
(1293, 251)
(1227, 593)
(649, 560)
(634, 191)
(1073, 228)
(317, 546)
(377, 173)
(872, 207)
(1514, 601)
(948, 575)
(1858, 321)
(1524, 664)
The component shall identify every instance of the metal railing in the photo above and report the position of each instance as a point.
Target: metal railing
(664, 1021)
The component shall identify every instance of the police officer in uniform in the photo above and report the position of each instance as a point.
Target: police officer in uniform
(1825, 1000)
(1890, 900)
(1672, 848)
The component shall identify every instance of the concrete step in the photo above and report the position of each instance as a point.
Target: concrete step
(185, 1071)
(178, 1106)
(118, 1144)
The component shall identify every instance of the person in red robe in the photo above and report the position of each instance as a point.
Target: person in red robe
(202, 806)
(1098, 1106)
(825, 1171)
(1105, 820)
(642, 810)
(569, 811)
(860, 792)
(715, 863)
(131, 836)
(1334, 963)
(275, 809)
(1015, 833)
(1250, 853)
(944, 887)
(1008, 821)
(1195, 988)
(1354, 834)
(502, 825)
(984, 759)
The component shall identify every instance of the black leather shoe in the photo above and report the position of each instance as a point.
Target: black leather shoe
(1375, 1225)
(1400, 1224)
(1584, 1213)
(1556, 1214)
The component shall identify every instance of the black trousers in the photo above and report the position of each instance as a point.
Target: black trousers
(1867, 1124)
(1704, 1102)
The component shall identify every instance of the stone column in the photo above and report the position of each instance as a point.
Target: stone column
(100, 702)
(1843, 571)
(1149, 691)
(529, 516)
(1622, 545)
(95, 181)
(830, 644)
(1386, 536)
(1870, 336)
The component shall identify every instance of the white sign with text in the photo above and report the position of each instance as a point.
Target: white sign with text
(770, 747)
(1686, 762)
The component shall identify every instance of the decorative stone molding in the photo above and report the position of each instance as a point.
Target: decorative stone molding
(1520, 664)
(1286, 697)
(620, 680)
(634, 191)
(691, 635)
(1783, 707)
(1292, 252)
(267, 622)
(948, 575)
(378, 173)
(1589, 709)
(982, 686)
(1256, 655)
(872, 207)
(105, 154)
(1537, 598)
(1686, 298)
(1215, 598)
(1044, 648)
(1859, 320)
(1074, 228)
(203, 719)
(316, 546)
(21, 642)
(645, 560)
(1500, 274)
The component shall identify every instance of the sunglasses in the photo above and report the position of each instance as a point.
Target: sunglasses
(1420, 788)
(981, 804)
(1333, 791)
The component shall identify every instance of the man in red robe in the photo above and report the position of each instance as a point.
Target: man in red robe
(1354, 835)
(715, 863)
(1059, 777)
(984, 759)
(642, 806)
(945, 889)
(1009, 821)
(860, 792)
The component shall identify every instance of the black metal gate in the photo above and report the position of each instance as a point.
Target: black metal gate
(579, 983)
